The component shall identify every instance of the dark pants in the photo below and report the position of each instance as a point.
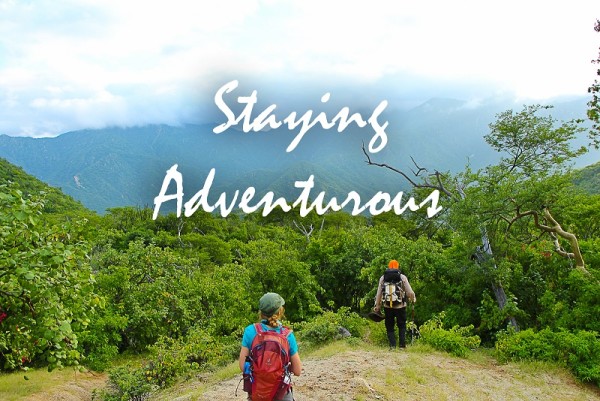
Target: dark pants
(395, 317)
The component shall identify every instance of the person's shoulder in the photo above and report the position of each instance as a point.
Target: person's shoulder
(250, 328)
(290, 336)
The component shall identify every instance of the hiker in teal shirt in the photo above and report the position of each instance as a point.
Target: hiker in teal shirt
(271, 312)
(250, 333)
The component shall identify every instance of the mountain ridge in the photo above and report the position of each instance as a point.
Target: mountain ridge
(115, 166)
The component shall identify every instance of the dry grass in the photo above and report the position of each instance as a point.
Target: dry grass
(341, 372)
(344, 372)
(59, 385)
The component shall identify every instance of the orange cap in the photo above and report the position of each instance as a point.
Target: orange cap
(393, 264)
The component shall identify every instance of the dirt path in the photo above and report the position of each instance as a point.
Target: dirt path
(377, 374)
(381, 375)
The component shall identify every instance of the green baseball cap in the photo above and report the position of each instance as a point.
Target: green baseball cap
(270, 303)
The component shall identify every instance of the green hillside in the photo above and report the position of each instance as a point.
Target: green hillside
(588, 178)
(56, 200)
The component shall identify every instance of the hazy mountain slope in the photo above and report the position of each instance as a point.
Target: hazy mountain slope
(588, 178)
(126, 166)
(56, 201)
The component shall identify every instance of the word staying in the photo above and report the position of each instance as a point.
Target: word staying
(381, 202)
(266, 118)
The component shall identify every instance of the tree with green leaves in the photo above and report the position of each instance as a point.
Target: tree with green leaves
(337, 257)
(452, 188)
(593, 111)
(274, 265)
(46, 286)
(531, 176)
(525, 183)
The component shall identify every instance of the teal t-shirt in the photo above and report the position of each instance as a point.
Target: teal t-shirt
(250, 333)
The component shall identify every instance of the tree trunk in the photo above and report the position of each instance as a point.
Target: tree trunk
(497, 287)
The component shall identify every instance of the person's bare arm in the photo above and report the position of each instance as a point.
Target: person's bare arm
(296, 364)
(244, 352)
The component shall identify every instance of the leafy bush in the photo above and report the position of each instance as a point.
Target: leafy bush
(376, 334)
(493, 318)
(125, 384)
(579, 351)
(457, 340)
(174, 359)
(47, 288)
(157, 292)
(171, 360)
(100, 342)
(326, 327)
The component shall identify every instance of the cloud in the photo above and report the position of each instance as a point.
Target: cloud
(82, 64)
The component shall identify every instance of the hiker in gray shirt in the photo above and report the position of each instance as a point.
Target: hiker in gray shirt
(394, 290)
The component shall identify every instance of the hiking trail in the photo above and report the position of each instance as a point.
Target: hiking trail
(351, 373)
(400, 375)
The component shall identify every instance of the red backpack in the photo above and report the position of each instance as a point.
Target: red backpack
(270, 361)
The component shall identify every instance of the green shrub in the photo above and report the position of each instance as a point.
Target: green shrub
(126, 384)
(100, 342)
(325, 328)
(208, 350)
(457, 341)
(579, 351)
(377, 334)
(171, 360)
(200, 350)
(47, 294)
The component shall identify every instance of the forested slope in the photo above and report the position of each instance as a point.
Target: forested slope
(56, 200)
(179, 290)
(588, 178)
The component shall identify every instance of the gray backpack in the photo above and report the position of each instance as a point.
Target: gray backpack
(393, 288)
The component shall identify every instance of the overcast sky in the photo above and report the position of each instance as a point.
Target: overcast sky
(67, 65)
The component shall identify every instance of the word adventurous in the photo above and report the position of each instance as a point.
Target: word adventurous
(381, 202)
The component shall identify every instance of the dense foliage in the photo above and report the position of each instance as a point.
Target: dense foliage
(456, 340)
(580, 350)
(46, 285)
(77, 288)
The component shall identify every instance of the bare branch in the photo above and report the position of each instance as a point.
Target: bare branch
(439, 186)
(372, 163)
(306, 231)
(419, 169)
(569, 237)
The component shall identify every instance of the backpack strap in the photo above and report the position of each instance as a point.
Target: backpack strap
(283, 336)
(392, 275)
(285, 331)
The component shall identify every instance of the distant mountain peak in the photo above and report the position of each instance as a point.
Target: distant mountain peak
(440, 105)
